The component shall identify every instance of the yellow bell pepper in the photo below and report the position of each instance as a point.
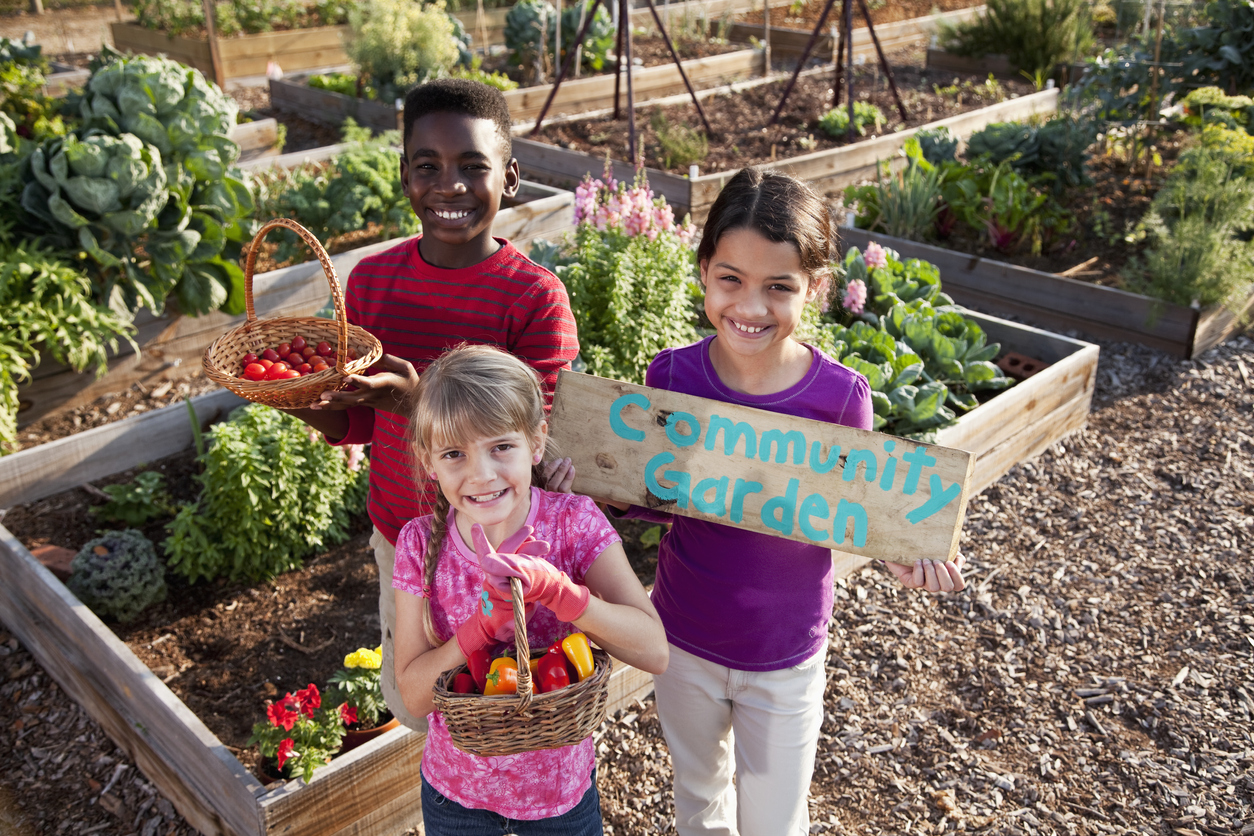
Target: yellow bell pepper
(579, 652)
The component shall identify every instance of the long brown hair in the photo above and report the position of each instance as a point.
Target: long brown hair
(470, 391)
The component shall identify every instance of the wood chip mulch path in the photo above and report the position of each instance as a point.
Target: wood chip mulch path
(1096, 677)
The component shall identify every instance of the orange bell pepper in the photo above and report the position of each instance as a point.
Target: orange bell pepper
(579, 652)
(503, 678)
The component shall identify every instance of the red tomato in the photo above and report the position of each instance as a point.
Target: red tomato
(289, 374)
(308, 351)
(265, 363)
(284, 349)
(320, 367)
(304, 368)
(271, 355)
(254, 371)
(249, 358)
(298, 343)
(352, 355)
(276, 373)
(324, 349)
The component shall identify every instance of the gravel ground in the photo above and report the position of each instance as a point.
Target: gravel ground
(1094, 678)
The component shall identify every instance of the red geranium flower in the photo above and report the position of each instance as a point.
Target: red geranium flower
(280, 715)
(348, 714)
(309, 699)
(285, 751)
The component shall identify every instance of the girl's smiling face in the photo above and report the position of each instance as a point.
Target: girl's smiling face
(755, 290)
(488, 480)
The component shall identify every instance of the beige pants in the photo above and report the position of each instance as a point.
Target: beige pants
(385, 556)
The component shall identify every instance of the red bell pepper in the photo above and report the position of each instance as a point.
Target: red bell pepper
(552, 673)
(479, 664)
(464, 683)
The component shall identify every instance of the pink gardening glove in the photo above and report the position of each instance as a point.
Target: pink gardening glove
(521, 556)
(491, 622)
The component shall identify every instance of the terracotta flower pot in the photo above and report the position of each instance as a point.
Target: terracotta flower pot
(355, 737)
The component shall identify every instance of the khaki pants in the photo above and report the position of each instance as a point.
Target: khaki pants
(385, 556)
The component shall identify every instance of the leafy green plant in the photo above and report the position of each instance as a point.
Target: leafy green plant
(343, 83)
(118, 575)
(22, 54)
(400, 44)
(47, 307)
(360, 187)
(628, 268)
(35, 115)
(937, 145)
(1221, 52)
(835, 123)
(531, 31)
(135, 503)
(1205, 103)
(904, 205)
(1056, 150)
(245, 524)
(1036, 35)
(679, 145)
(475, 72)
(240, 17)
(358, 685)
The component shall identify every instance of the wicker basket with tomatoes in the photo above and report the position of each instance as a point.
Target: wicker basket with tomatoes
(501, 707)
(259, 359)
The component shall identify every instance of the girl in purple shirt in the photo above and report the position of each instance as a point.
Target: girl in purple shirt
(746, 614)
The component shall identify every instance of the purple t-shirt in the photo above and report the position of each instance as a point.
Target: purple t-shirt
(746, 600)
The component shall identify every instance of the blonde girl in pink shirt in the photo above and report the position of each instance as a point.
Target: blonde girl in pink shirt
(480, 433)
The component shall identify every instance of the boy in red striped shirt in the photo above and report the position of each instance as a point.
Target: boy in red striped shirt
(454, 283)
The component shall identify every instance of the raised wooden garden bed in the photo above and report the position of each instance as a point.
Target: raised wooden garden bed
(1066, 304)
(574, 95)
(170, 340)
(245, 55)
(374, 789)
(827, 170)
(947, 62)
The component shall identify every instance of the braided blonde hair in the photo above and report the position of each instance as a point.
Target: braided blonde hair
(470, 391)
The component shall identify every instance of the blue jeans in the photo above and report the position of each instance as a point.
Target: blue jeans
(444, 817)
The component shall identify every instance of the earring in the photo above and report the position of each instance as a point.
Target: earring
(432, 477)
(537, 458)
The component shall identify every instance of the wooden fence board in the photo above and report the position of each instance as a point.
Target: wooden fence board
(1216, 324)
(244, 55)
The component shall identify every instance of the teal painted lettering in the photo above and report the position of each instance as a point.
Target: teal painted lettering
(890, 467)
(686, 439)
(683, 482)
(731, 434)
(845, 511)
(917, 459)
(743, 488)
(813, 505)
(618, 425)
(783, 441)
(778, 512)
(650, 478)
(716, 506)
(941, 496)
(816, 453)
(855, 458)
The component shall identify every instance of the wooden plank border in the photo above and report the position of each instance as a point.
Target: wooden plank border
(244, 55)
(1069, 304)
(892, 36)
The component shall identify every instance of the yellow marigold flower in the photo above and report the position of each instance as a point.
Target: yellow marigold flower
(364, 658)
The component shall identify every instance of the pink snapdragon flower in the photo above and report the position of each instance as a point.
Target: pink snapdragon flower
(635, 210)
(875, 256)
(855, 296)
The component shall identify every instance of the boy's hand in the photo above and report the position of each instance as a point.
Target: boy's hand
(932, 575)
(388, 390)
(559, 476)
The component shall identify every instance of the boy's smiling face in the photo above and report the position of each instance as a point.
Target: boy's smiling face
(454, 176)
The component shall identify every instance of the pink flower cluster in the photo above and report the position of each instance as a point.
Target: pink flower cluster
(608, 204)
(875, 256)
(855, 296)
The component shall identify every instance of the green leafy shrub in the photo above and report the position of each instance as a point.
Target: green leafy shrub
(34, 114)
(835, 123)
(47, 307)
(1056, 150)
(400, 44)
(1222, 52)
(344, 84)
(147, 189)
(531, 31)
(23, 54)
(629, 270)
(937, 145)
(679, 145)
(359, 187)
(118, 575)
(247, 523)
(240, 17)
(474, 72)
(1208, 103)
(135, 503)
(1036, 35)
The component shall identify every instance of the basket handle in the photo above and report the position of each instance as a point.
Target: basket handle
(328, 269)
(521, 645)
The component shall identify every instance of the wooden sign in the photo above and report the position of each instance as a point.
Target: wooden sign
(860, 492)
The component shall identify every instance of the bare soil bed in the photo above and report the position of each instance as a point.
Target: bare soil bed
(1095, 677)
(804, 15)
(739, 121)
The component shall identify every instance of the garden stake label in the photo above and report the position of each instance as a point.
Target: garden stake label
(861, 492)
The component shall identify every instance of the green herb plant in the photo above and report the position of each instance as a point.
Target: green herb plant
(135, 503)
(679, 146)
(245, 524)
(835, 122)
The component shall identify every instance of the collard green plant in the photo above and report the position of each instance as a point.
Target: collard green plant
(1056, 150)
(835, 123)
(400, 44)
(23, 54)
(937, 145)
(1036, 35)
(48, 308)
(245, 524)
(118, 575)
(135, 503)
(147, 189)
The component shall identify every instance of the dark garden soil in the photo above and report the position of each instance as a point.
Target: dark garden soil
(1096, 676)
(892, 11)
(741, 135)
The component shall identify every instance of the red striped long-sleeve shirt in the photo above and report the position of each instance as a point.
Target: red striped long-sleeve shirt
(418, 311)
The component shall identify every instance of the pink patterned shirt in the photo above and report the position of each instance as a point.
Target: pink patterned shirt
(532, 785)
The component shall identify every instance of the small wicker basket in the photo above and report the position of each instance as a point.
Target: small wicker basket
(222, 358)
(508, 724)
